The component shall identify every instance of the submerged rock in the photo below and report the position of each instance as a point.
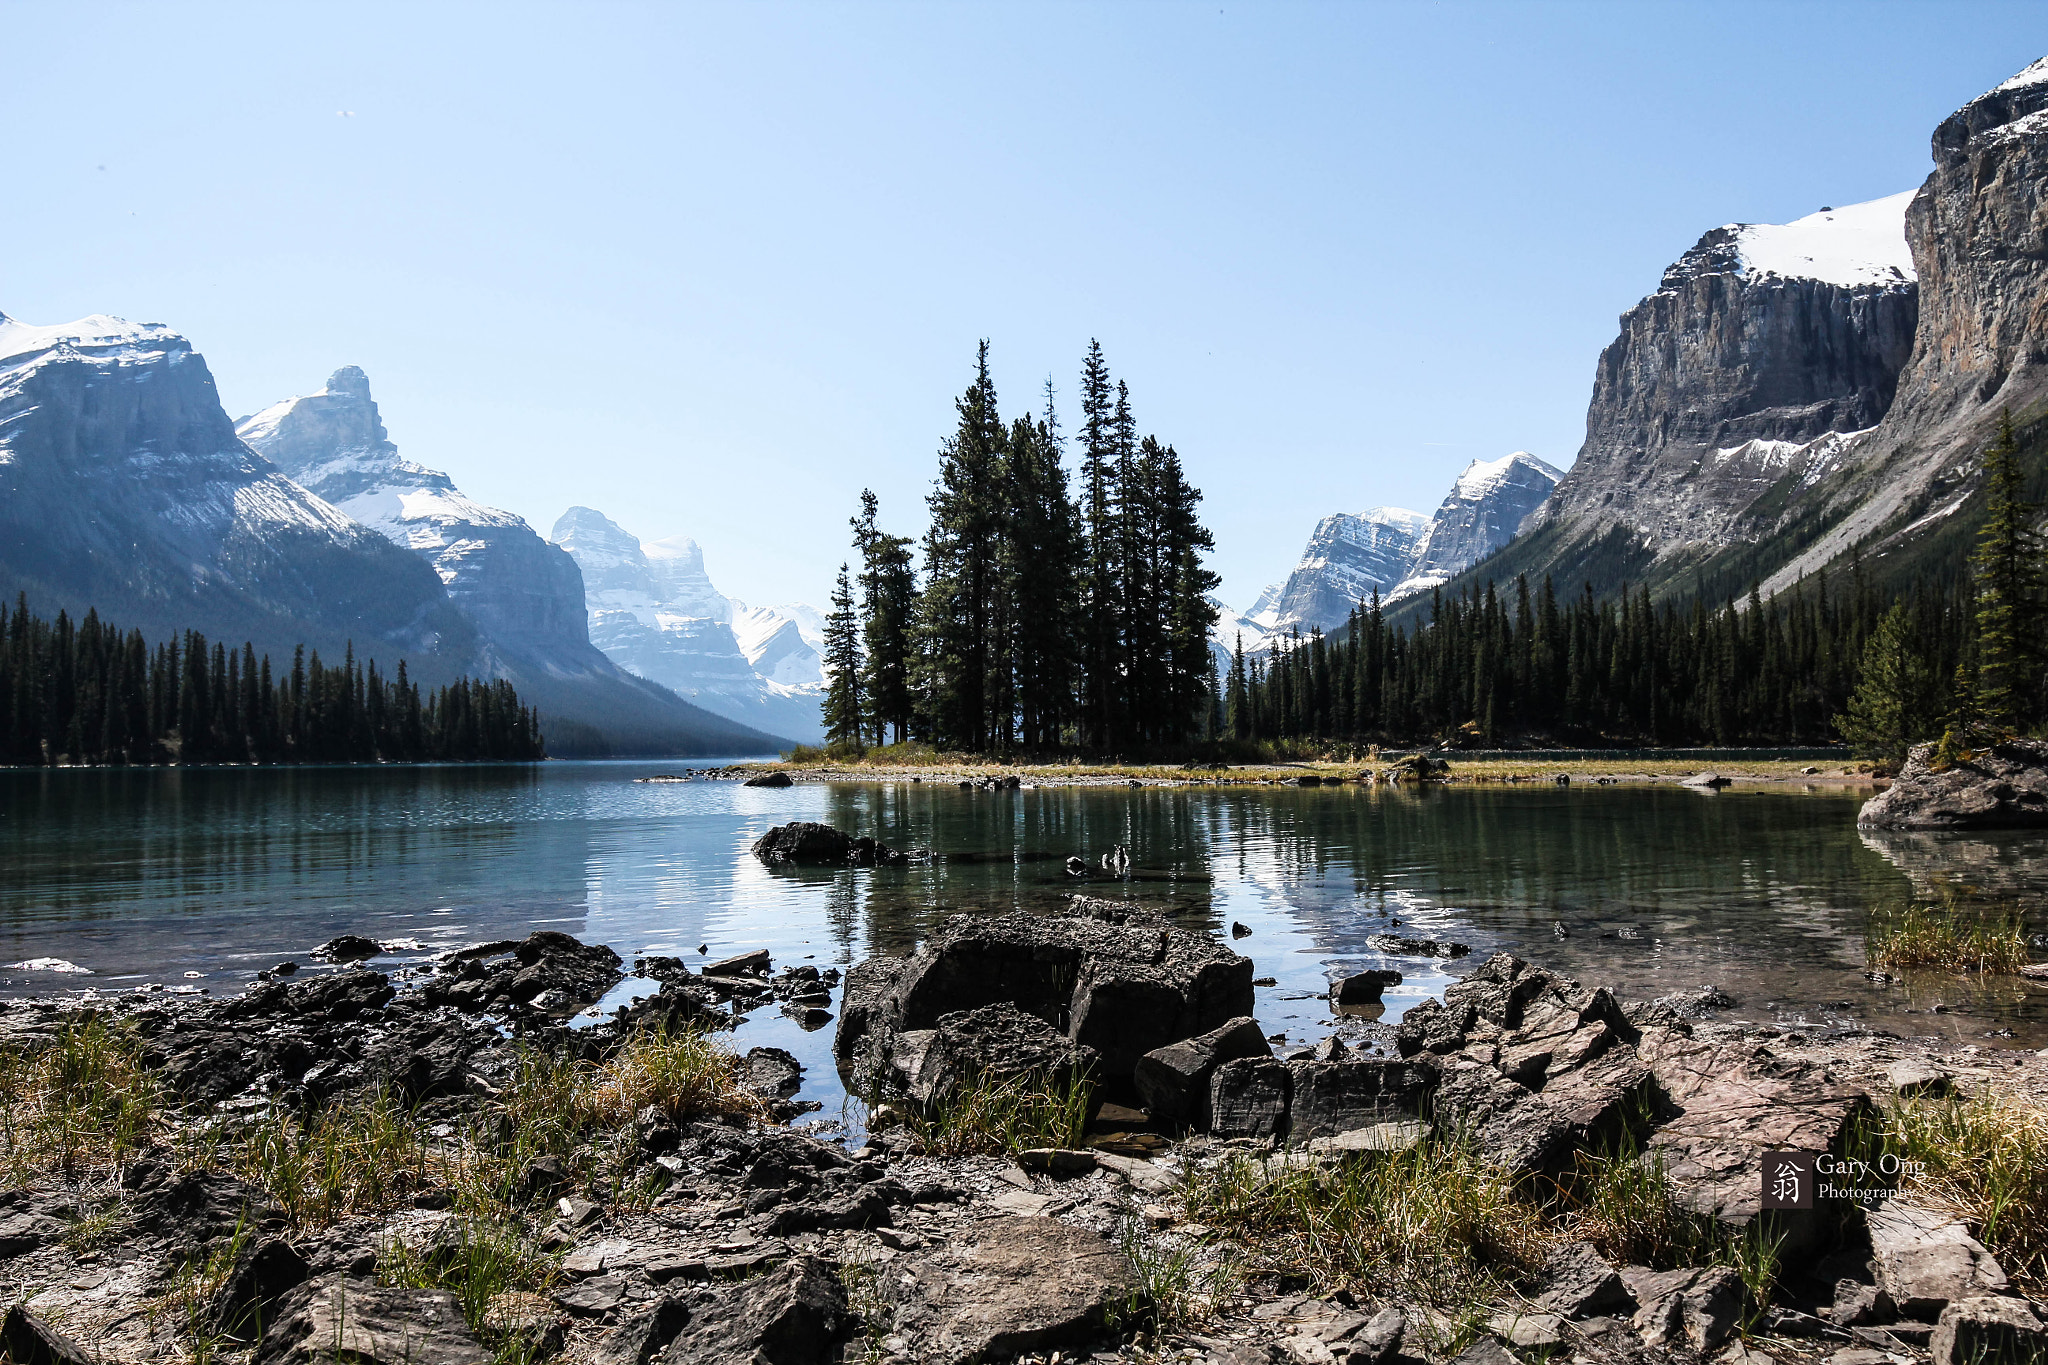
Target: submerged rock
(2004, 786)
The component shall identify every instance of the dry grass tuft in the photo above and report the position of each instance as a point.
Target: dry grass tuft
(994, 1117)
(81, 1106)
(1438, 1221)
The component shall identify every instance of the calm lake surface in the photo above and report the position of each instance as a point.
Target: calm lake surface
(152, 875)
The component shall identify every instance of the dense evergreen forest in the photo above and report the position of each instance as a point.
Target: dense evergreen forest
(1043, 619)
(1829, 660)
(91, 693)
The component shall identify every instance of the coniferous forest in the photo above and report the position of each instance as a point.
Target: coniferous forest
(1830, 660)
(90, 693)
(1046, 616)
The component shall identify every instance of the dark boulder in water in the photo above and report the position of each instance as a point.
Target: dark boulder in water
(346, 948)
(806, 843)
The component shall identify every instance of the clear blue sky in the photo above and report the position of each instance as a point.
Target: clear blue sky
(714, 269)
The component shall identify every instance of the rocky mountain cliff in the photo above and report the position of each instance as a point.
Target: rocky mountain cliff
(124, 487)
(654, 612)
(1794, 395)
(1763, 347)
(524, 595)
(1978, 229)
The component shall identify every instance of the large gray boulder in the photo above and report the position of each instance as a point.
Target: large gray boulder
(1328, 1098)
(2003, 786)
(1173, 1081)
(795, 1315)
(1010, 1286)
(1536, 1067)
(1108, 977)
(996, 1043)
(1735, 1104)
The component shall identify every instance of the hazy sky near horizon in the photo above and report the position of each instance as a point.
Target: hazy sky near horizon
(714, 269)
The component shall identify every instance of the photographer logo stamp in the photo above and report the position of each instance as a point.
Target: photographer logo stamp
(1788, 1180)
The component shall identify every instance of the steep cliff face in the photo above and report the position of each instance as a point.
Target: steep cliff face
(1760, 340)
(524, 594)
(1979, 234)
(124, 487)
(654, 612)
(1482, 512)
(1348, 558)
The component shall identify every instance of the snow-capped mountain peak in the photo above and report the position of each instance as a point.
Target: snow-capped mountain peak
(1857, 244)
(1396, 552)
(100, 334)
(1482, 512)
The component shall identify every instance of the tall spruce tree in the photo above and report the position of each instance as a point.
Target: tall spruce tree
(1893, 706)
(1045, 552)
(842, 707)
(959, 644)
(1101, 496)
(2008, 569)
(888, 606)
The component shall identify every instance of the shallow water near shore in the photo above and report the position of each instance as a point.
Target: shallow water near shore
(157, 875)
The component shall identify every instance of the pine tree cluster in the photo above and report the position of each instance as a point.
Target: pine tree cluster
(1046, 620)
(1618, 671)
(90, 693)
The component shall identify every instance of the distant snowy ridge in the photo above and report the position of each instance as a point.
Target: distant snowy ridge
(654, 612)
(1393, 552)
(1482, 512)
(123, 486)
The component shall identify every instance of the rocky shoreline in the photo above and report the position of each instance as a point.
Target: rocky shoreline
(696, 1229)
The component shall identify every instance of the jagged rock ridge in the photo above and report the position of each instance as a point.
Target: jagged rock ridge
(1726, 379)
(1482, 512)
(1348, 558)
(525, 594)
(654, 612)
(1393, 552)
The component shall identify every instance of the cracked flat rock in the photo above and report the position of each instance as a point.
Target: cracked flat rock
(335, 1320)
(1022, 1284)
